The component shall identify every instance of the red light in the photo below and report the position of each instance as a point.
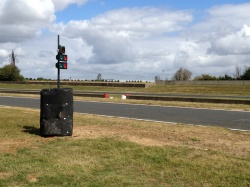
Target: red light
(65, 66)
(65, 58)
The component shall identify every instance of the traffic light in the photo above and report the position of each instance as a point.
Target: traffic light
(62, 65)
(62, 58)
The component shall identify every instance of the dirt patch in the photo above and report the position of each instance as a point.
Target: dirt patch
(4, 175)
(10, 146)
(237, 143)
(32, 178)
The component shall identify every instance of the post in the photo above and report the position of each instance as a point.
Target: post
(58, 69)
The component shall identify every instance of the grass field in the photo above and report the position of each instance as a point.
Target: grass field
(153, 88)
(120, 152)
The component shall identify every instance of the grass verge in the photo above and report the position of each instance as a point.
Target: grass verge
(243, 90)
(120, 152)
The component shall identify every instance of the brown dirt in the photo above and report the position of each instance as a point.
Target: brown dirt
(4, 175)
(10, 146)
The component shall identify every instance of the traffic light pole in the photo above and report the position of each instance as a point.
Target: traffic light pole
(58, 69)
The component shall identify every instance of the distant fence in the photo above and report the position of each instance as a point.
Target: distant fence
(215, 82)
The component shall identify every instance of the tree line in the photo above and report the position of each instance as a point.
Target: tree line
(183, 74)
(10, 73)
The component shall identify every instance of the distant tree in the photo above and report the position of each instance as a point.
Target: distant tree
(157, 78)
(182, 75)
(205, 77)
(40, 79)
(10, 73)
(225, 77)
(99, 77)
(238, 72)
(246, 74)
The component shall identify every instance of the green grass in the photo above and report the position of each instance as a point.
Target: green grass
(110, 162)
(152, 88)
(110, 159)
(201, 89)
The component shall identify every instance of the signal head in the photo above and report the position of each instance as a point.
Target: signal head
(61, 49)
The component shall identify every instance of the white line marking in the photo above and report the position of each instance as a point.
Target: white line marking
(21, 97)
(138, 119)
(239, 130)
(166, 122)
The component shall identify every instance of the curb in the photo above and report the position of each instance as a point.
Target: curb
(187, 99)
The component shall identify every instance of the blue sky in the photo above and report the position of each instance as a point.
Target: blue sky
(126, 39)
(96, 7)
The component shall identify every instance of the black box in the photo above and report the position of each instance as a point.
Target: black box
(56, 114)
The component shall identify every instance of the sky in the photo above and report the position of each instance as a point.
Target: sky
(126, 39)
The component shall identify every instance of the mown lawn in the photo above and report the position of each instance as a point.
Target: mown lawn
(151, 88)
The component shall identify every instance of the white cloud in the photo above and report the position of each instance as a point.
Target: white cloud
(226, 28)
(234, 14)
(143, 21)
(62, 4)
(219, 21)
(245, 31)
(221, 38)
(23, 19)
(3, 53)
(128, 37)
(234, 44)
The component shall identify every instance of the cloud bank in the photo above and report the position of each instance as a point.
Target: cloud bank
(127, 43)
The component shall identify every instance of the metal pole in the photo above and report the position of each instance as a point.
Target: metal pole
(58, 69)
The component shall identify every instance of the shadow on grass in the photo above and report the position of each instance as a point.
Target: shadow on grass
(31, 130)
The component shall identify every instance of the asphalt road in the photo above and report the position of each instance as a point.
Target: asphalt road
(227, 119)
(175, 95)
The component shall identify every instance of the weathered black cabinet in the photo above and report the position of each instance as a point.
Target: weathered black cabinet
(56, 114)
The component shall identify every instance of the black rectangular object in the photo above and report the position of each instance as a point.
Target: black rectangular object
(56, 114)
